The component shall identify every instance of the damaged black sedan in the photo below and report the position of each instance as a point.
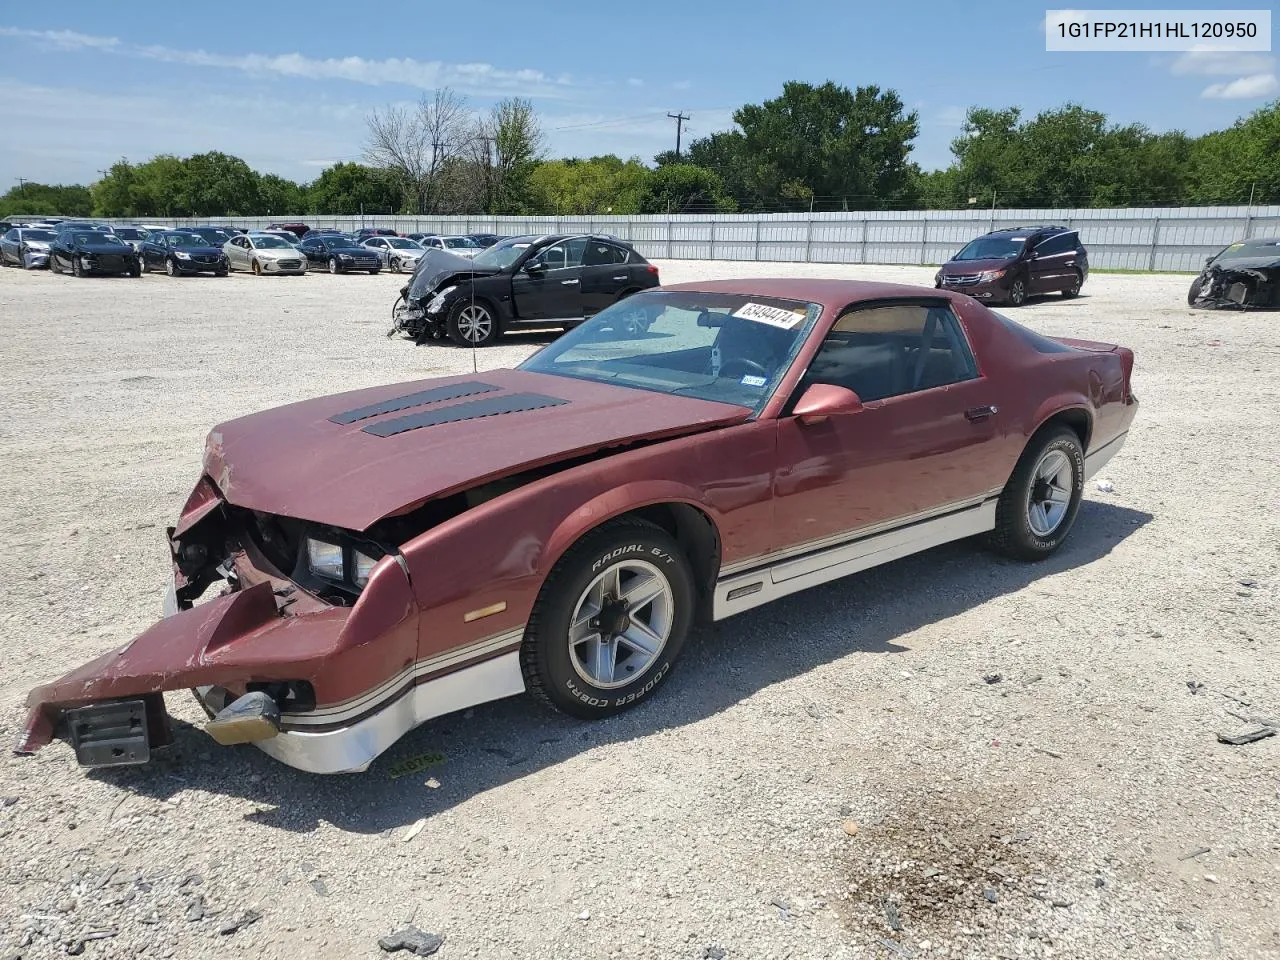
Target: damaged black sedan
(521, 282)
(1244, 276)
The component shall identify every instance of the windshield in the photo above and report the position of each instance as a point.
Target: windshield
(727, 347)
(93, 236)
(268, 242)
(331, 242)
(992, 248)
(214, 236)
(503, 255)
(38, 235)
(454, 243)
(185, 240)
(400, 243)
(1248, 249)
(129, 233)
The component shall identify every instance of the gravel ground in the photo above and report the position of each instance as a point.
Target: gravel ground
(815, 776)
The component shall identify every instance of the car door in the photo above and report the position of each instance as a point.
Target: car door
(604, 275)
(1053, 263)
(149, 250)
(312, 250)
(549, 284)
(927, 439)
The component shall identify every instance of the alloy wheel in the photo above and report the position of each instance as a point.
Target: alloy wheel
(474, 323)
(1051, 487)
(621, 623)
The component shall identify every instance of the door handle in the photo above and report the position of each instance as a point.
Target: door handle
(978, 414)
(567, 283)
(623, 277)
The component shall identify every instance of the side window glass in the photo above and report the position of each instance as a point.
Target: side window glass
(619, 255)
(1057, 244)
(887, 351)
(553, 257)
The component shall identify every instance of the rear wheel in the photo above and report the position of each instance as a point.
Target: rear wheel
(1018, 292)
(610, 620)
(1040, 502)
(1073, 288)
(471, 324)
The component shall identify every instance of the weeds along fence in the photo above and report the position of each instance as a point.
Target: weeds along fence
(1152, 238)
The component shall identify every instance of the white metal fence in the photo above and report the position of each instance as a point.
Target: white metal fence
(1163, 238)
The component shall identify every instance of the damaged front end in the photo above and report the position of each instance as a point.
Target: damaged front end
(1245, 276)
(279, 639)
(422, 310)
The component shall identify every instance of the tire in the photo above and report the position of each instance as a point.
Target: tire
(334, 268)
(1026, 529)
(1017, 292)
(574, 677)
(171, 268)
(220, 273)
(472, 324)
(1073, 289)
(375, 271)
(77, 269)
(1194, 292)
(256, 268)
(135, 271)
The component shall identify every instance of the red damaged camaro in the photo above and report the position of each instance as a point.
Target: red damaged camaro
(385, 556)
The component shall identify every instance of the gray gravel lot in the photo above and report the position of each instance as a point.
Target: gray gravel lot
(1050, 813)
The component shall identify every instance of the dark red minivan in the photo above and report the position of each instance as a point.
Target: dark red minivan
(1008, 266)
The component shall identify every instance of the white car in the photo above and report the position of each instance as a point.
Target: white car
(262, 253)
(458, 246)
(26, 247)
(396, 253)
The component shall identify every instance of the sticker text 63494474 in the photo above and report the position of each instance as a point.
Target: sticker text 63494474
(773, 316)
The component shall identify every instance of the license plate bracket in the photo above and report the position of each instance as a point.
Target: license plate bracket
(111, 734)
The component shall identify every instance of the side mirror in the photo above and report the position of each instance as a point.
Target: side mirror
(822, 400)
(534, 267)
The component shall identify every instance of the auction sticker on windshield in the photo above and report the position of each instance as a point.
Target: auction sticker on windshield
(773, 316)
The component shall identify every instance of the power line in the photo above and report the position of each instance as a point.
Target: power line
(679, 118)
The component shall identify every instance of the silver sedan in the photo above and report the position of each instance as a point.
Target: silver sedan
(26, 247)
(396, 253)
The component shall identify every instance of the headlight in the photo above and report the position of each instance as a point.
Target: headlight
(182, 255)
(324, 559)
(988, 275)
(329, 560)
(344, 256)
(364, 566)
(437, 302)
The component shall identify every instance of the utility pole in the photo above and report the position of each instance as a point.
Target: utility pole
(679, 118)
(22, 183)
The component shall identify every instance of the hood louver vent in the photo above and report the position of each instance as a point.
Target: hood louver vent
(453, 391)
(472, 410)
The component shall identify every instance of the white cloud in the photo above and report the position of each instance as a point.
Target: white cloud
(480, 78)
(1209, 63)
(681, 85)
(1257, 87)
(634, 82)
(62, 39)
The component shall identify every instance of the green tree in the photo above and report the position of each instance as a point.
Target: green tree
(280, 197)
(350, 188)
(1228, 166)
(605, 185)
(219, 185)
(827, 141)
(684, 188)
(47, 199)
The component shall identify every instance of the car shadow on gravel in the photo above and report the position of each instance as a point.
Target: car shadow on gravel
(497, 743)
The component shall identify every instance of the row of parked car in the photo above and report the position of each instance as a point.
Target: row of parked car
(83, 247)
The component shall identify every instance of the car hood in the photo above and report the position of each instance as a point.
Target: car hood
(277, 253)
(953, 267)
(105, 249)
(338, 460)
(437, 266)
(1246, 263)
(201, 251)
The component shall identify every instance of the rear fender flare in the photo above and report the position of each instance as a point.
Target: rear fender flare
(1062, 403)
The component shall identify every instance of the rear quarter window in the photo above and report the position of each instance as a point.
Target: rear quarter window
(1034, 340)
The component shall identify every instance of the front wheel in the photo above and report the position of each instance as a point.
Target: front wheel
(1017, 292)
(77, 267)
(171, 267)
(333, 265)
(472, 325)
(610, 620)
(1194, 293)
(1040, 502)
(256, 268)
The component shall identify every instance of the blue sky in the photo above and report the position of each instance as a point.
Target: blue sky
(286, 86)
